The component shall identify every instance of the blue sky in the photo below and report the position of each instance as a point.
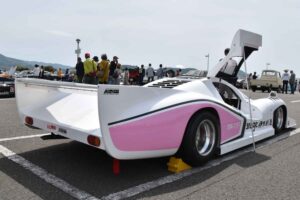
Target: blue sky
(171, 32)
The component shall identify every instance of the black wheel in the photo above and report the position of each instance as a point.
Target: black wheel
(201, 139)
(253, 88)
(279, 89)
(270, 88)
(263, 90)
(279, 119)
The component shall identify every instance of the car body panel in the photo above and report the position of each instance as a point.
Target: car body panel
(134, 122)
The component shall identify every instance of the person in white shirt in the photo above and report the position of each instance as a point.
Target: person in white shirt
(285, 80)
(126, 77)
(150, 73)
(36, 70)
(230, 66)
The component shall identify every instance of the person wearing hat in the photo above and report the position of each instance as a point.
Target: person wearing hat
(90, 69)
(103, 70)
(112, 68)
(285, 80)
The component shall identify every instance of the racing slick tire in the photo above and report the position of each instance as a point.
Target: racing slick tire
(201, 139)
(279, 119)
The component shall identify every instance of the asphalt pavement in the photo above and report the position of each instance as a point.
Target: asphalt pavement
(34, 166)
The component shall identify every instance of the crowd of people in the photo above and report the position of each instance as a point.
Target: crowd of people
(94, 71)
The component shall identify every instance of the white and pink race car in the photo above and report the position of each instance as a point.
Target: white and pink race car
(197, 118)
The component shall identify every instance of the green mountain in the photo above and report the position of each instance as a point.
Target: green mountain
(7, 62)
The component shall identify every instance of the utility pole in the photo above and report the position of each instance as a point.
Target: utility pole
(78, 50)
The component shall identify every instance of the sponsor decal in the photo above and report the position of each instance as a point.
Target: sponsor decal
(233, 125)
(61, 130)
(111, 91)
(51, 127)
(259, 124)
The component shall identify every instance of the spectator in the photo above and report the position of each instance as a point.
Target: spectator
(96, 59)
(228, 68)
(117, 75)
(178, 72)
(36, 71)
(67, 74)
(79, 70)
(285, 80)
(292, 81)
(254, 76)
(90, 69)
(112, 68)
(150, 73)
(59, 74)
(249, 78)
(160, 73)
(126, 77)
(141, 75)
(103, 70)
(42, 72)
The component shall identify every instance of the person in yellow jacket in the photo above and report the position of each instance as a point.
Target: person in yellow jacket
(59, 74)
(103, 70)
(90, 69)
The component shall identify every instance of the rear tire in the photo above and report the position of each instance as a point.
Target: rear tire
(279, 117)
(201, 139)
(253, 88)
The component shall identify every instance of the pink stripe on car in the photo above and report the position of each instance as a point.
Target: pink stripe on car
(165, 129)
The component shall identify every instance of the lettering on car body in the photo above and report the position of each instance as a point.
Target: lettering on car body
(233, 125)
(51, 127)
(61, 130)
(259, 124)
(111, 91)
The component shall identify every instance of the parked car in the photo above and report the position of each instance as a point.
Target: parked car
(269, 80)
(241, 83)
(7, 87)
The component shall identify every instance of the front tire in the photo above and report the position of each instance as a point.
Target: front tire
(201, 139)
(279, 119)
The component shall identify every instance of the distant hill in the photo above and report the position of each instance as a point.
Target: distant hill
(7, 62)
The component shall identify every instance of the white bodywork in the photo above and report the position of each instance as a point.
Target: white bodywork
(141, 122)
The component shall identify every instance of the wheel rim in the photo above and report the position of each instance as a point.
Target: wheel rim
(205, 137)
(279, 118)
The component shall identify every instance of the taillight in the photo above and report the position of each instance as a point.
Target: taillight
(93, 140)
(29, 120)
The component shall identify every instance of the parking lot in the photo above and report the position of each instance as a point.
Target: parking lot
(34, 165)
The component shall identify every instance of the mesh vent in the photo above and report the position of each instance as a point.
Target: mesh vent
(169, 83)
